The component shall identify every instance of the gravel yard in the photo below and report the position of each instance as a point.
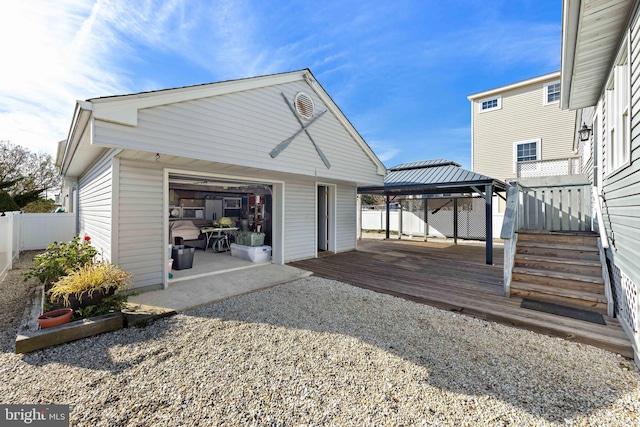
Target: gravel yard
(319, 352)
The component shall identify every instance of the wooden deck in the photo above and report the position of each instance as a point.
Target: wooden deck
(456, 278)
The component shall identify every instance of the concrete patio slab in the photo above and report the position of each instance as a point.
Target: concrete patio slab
(201, 290)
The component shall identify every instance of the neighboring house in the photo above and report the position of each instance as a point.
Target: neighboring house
(600, 80)
(516, 129)
(276, 146)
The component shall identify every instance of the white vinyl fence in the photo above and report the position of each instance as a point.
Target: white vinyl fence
(27, 231)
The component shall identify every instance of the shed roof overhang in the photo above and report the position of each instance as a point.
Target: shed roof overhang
(591, 34)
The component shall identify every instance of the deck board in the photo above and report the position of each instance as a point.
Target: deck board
(456, 278)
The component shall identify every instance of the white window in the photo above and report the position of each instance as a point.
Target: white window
(489, 104)
(551, 93)
(618, 135)
(526, 151)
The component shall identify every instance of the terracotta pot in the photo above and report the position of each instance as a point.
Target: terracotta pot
(55, 318)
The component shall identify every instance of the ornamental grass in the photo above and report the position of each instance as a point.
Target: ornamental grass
(92, 277)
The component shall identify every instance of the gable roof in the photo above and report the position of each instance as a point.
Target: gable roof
(434, 176)
(517, 85)
(123, 109)
(591, 35)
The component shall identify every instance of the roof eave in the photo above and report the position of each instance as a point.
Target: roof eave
(516, 85)
(81, 117)
(592, 33)
(432, 189)
(570, 21)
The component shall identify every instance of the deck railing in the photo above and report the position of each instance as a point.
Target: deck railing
(551, 167)
(562, 207)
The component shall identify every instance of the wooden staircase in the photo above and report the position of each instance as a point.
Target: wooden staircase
(559, 267)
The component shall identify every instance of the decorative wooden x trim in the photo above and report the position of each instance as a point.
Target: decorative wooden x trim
(280, 147)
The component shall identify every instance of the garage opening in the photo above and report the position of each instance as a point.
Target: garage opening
(216, 217)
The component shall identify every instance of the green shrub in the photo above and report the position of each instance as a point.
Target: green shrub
(7, 204)
(61, 259)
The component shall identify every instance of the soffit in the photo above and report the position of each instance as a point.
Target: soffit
(591, 35)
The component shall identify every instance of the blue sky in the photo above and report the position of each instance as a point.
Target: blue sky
(400, 71)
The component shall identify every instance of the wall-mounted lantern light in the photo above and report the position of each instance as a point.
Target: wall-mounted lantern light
(585, 132)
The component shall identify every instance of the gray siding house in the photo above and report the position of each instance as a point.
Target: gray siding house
(519, 129)
(131, 161)
(600, 80)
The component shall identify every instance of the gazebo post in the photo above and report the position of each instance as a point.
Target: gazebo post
(426, 219)
(388, 217)
(455, 220)
(488, 204)
(400, 222)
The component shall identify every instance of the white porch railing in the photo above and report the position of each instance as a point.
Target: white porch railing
(552, 167)
(544, 207)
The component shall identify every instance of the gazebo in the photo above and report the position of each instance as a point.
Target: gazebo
(439, 177)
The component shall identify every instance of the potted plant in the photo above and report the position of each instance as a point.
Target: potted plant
(55, 318)
(88, 285)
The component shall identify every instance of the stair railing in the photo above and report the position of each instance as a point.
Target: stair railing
(509, 232)
(603, 243)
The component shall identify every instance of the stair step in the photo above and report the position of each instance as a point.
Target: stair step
(559, 275)
(580, 237)
(583, 304)
(570, 266)
(563, 252)
(558, 283)
(558, 292)
(560, 246)
(558, 260)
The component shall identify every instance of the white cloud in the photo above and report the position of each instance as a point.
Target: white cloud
(52, 60)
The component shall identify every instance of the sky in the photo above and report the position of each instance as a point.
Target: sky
(399, 70)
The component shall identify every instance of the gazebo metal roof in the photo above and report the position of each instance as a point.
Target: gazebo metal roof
(439, 176)
(436, 176)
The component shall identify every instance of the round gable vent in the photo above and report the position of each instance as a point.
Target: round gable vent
(304, 105)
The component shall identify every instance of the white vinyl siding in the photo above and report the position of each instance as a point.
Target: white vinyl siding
(621, 189)
(299, 221)
(522, 118)
(618, 128)
(347, 218)
(95, 204)
(140, 222)
(242, 129)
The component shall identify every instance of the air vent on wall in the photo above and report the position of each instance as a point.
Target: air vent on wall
(304, 105)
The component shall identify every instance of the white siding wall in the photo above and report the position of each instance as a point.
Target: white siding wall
(241, 129)
(346, 213)
(95, 204)
(140, 222)
(523, 117)
(300, 220)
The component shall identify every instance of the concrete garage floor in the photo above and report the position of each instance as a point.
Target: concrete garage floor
(206, 288)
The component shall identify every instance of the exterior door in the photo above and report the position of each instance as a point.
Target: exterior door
(323, 218)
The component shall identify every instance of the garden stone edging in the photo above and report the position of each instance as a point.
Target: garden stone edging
(30, 337)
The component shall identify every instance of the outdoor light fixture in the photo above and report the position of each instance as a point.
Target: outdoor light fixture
(585, 132)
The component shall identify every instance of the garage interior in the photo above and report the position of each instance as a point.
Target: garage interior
(197, 204)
